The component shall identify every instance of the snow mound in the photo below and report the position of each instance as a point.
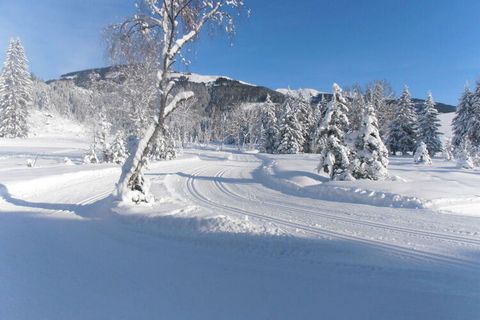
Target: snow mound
(189, 224)
(268, 173)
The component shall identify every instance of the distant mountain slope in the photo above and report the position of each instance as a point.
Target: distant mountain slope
(219, 93)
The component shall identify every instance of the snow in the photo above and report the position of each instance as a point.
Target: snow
(446, 125)
(206, 79)
(303, 93)
(233, 236)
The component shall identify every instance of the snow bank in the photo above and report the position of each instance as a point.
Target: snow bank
(325, 191)
(188, 223)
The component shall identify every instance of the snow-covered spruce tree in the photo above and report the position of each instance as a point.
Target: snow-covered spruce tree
(174, 23)
(163, 148)
(15, 92)
(428, 126)
(371, 155)
(269, 133)
(402, 131)
(335, 153)
(290, 138)
(461, 119)
(117, 151)
(421, 155)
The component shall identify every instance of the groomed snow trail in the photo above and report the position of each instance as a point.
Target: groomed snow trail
(234, 185)
(286, 255)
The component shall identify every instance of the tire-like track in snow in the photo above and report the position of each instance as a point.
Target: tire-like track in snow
(284, 214)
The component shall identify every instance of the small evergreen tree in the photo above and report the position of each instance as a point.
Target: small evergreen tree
(117, 151)
(428, 126)
(269, 127)
(335, 154)
(290, 134)
(163, 148)
(15, 92)
(371, 155)
(421, 155)
(402, 131)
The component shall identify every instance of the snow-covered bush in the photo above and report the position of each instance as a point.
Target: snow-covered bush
(67, 161)
(335, 153)
(464, 155)
(421, 155)
(371, 155)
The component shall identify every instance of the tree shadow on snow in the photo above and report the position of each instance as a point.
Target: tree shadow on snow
(83, 209)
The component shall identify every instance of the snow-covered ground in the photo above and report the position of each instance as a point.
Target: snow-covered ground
(233, 236)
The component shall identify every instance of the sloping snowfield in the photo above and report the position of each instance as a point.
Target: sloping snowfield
(234, 236)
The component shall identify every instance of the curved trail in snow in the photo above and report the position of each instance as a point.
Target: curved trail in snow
(229, 187)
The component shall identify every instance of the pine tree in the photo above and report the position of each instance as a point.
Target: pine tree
(269, 131)
(461, 119)
(290, 134)
(371, 155)
(421, 155)
(428, 126)
(402, 131)
(334, 156)
(15, 92)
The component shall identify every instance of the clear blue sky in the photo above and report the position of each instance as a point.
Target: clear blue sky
(427, 44)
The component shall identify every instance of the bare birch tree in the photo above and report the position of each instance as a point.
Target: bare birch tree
(164, 27)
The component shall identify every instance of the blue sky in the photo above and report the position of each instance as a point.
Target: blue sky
(427, 44)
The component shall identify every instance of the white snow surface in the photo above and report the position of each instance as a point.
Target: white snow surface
(304, 93)
(234, 236)
(200, 78)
